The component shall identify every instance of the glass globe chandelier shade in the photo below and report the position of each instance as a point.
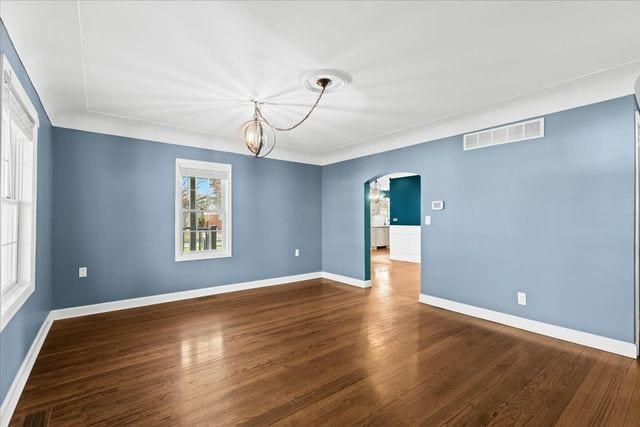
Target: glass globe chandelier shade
(258, 136)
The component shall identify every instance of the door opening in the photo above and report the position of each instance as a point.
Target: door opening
(393, 233)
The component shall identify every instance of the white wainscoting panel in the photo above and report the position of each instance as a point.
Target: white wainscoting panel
(404, 243)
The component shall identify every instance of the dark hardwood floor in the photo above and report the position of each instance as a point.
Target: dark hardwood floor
(319, 352)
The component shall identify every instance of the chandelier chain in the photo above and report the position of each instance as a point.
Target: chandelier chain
(313, 107)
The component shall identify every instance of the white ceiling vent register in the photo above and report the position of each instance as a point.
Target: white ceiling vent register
(522, 131)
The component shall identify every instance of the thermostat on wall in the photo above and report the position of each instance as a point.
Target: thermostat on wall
(437, 205)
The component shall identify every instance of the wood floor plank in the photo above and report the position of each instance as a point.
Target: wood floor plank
(322, 353)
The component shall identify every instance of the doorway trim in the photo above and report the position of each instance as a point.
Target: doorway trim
(636, 320)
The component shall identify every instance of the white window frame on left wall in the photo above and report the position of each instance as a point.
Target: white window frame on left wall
(12, 299)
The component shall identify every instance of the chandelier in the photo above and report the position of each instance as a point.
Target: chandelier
(259, 135)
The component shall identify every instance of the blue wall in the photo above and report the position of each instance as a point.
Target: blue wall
(114, 213)
(18, 334)
(553, 217)
(405, 200)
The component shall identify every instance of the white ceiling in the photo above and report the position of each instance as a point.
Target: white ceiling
(185, 72)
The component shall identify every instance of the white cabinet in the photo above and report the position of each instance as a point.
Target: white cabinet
(379, 236)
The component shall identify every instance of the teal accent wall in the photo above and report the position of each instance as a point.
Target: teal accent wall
(405, 200)
(367, 232)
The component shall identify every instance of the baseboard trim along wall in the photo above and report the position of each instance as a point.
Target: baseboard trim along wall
(65, 313)
(347, 280)
(611, 345)
(20, 380)
(84, 310)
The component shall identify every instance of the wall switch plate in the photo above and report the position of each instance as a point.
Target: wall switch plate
(82, 272)
(437, 205)
(297, 252)
(522, 298)
(427, 220)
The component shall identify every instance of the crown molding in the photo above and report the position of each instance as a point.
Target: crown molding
(590, 89)
(130, 128)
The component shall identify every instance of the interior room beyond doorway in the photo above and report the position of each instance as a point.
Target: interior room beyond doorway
(395, 231)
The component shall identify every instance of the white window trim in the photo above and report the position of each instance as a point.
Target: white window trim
(13, 300)
(215, 167)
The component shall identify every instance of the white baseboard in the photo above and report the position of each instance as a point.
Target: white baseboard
(65, 313)
(347, 280)
(85, 310)
(15, 390)
(578, 337)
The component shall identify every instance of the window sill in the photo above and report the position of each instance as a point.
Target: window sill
(201, 256)
(12, 301)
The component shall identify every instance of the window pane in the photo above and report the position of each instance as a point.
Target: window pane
(188, 192)
(25, 169)
(207, 237)
(218, 239)
(209, 240)
(187, 238)
(201, 221)
(25, 243)
(208, 194)
(7, 157)
(9, 214)
(8, 264)
(202, 240)
(209, 221)
(201, 193)
(189, 220)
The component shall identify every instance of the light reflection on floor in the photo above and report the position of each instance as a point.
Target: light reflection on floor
(394, 277)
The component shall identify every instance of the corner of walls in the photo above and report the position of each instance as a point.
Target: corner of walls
(518, 217)
(24, 328)
(115, 214)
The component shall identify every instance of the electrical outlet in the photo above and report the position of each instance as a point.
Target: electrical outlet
(82, 272)
(522, 298)
(297, 252)
(427, 220)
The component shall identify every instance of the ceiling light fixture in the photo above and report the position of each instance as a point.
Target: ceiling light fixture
(259, 135)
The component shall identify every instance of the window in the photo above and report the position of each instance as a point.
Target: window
(18, 160)
(203, 210)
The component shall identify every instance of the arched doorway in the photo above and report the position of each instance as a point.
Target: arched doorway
(393, 232)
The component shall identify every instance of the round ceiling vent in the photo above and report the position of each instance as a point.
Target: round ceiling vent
(339, 79)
